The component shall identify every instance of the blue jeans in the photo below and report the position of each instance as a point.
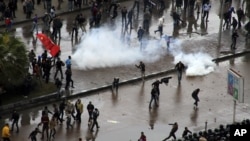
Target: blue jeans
(34, 27)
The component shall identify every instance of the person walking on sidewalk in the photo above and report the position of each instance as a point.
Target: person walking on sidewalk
(124, 12)
(154, 97)
(29, 9)
(179, 67)
(79, 110)
(206, 9)
(56, 114)
(45, 123)
(141, 66)
(96, 114)
(69, 80)
(35, 24)
(160, 26)
(137, 5)
(240, 15)
(6, 132)
(195, 97)
(156, 85)
(59, 64)
(172, 132)
(234, 39)
(62, 107)
(90, 108)
(52, 125)
(15, 119)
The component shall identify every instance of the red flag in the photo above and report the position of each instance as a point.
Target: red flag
(48, 44)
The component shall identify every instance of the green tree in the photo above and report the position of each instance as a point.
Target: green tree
(13, 60)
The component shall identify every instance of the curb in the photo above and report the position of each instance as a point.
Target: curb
(231, 56)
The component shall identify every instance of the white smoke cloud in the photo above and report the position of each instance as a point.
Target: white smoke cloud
(198, 64)
(102, 48)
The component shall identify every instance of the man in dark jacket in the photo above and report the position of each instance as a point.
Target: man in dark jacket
(195, 97)
(130, 18)
(15, 119)
(154, 97)
(240, 15)
(234, 39)
(59, 64)
(179, 68)
(68, 74)
(172, 132)
(12, 7)
(95, 116)
(90, 108)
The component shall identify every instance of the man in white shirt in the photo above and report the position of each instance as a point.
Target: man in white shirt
(206, 9)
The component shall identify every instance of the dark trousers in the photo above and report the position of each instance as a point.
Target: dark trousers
(155, 99)
(52, 133)
(233, 43)
(60, 70)
(45, 129)
(61, 113)
(33, 138)
(68, 82)
(170, 135)
(90, 115)
(124, 20)
(160, 29)
(78, 116)
(74, 31)
(205, 15)
(129, 23)
(136, 4)
(114, 14)
(95, 123)
(15, 122)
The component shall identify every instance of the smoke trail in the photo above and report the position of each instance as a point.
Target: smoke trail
(102, 48)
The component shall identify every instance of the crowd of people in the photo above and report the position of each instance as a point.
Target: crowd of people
(51, 119)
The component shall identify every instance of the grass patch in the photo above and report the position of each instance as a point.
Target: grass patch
(40, 89)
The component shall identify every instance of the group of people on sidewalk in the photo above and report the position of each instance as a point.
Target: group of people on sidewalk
(51, 119)
(42, 65)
